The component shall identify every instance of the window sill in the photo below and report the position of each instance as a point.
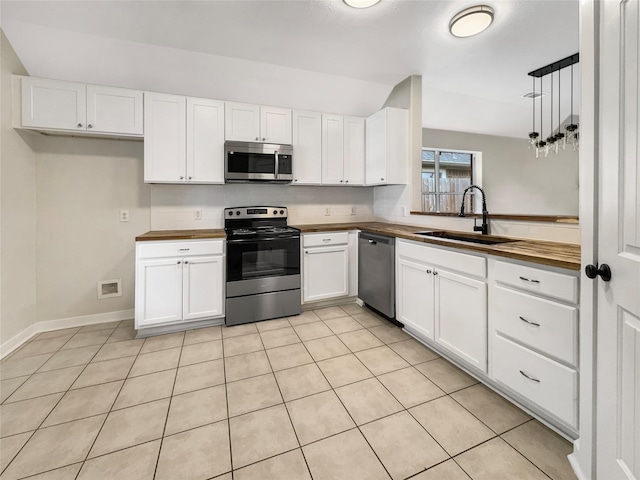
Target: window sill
(501, 216)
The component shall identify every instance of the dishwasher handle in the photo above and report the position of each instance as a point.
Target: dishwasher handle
(374, 239)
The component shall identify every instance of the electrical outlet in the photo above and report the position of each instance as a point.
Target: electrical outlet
(124, 215)
(353, 210)
(198, 215)
(327, 212)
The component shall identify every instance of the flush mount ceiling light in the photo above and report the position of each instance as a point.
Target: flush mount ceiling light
(471, 21)
(361, 3)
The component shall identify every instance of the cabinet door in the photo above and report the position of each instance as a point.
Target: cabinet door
(325, 273)
(114, 110)
(203, 287)
(205, 141)
(158, 291)
(397, 162)
(461, 317)
(241, 122)
(165, 134)
(376, 148)
(307, 147)
(53, 104)
(354, 150)
(416, 297)
(332, 150)
(275, 125)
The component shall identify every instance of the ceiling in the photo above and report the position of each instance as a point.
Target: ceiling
(473, 84)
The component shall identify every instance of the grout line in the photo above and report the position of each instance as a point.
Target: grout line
(166, 419)
(226, 398)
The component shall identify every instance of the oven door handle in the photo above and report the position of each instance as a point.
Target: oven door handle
(261, 239)
(277, 169)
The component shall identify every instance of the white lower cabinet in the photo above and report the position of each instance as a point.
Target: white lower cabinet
(178, 282)
(325, 266)
(415, 300)
(461, 317)
(439, 305)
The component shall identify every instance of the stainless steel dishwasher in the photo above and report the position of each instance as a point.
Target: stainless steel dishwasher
(376, 272)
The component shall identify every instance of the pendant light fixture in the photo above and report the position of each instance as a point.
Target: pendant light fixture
(556, 137)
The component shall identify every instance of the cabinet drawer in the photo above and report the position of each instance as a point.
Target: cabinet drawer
(324, 239)
(461, 262)
(550, 385)
(541, 324)
(543, 282)
(179, 249)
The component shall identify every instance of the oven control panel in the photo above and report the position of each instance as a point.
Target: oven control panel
(255, 212)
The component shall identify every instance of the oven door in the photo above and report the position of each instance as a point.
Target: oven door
(263, 265)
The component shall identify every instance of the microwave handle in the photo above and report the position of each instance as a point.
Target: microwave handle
(277, 165)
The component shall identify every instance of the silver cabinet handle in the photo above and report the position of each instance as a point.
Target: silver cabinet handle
(89, 126)
(530, 378)
(179, 262)
(529, 280)
(529, 322)
(79, 125)
(184, 249)
(428, 271)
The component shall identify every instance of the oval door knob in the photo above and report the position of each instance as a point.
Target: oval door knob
(592, 271)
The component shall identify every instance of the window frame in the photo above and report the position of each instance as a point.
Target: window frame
(476, 177)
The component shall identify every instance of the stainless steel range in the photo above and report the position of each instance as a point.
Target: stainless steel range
(263, 264)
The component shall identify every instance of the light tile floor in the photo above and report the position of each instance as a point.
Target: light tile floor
(334, 393)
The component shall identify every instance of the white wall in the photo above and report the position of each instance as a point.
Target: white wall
(514, 180)
(17, 211)
(82, 184)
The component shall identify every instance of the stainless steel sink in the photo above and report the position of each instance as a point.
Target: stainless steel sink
(471, 238)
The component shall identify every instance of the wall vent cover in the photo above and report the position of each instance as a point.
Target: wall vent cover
(110, 288)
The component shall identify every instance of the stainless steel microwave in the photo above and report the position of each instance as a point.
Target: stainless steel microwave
(257, 162)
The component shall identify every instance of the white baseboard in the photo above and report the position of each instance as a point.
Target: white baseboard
(50, 325)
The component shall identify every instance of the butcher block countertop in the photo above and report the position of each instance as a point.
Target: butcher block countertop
(562, 255)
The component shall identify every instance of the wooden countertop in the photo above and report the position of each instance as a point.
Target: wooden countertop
(555, 254)
(181, 234)
(562, 255)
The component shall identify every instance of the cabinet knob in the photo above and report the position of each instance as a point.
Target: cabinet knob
(382, 179)
(346, 181)
(190, 178)
(257, 138)
(340, 181)
(179, 262)
(306, 253)
(592, 271)
(435, 273)
(186, 262)
(79, 125)
(296, 180)
(89, 126)
(181, 178)
(428, 271)
(263, 139)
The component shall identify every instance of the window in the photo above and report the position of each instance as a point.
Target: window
(445, 175)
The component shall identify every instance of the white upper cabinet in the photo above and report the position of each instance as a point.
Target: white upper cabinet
(57, 105)
(387, 147)
(165, 138)
(242, 122)
(183, 139)
(115, 110)
(354, 159)
(275, 125)
(53, 104)
(307, 147)
(342, 150)
(205, 141)
(252, 123)
(332, 149)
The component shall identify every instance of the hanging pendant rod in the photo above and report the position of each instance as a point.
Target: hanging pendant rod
(555, 66)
